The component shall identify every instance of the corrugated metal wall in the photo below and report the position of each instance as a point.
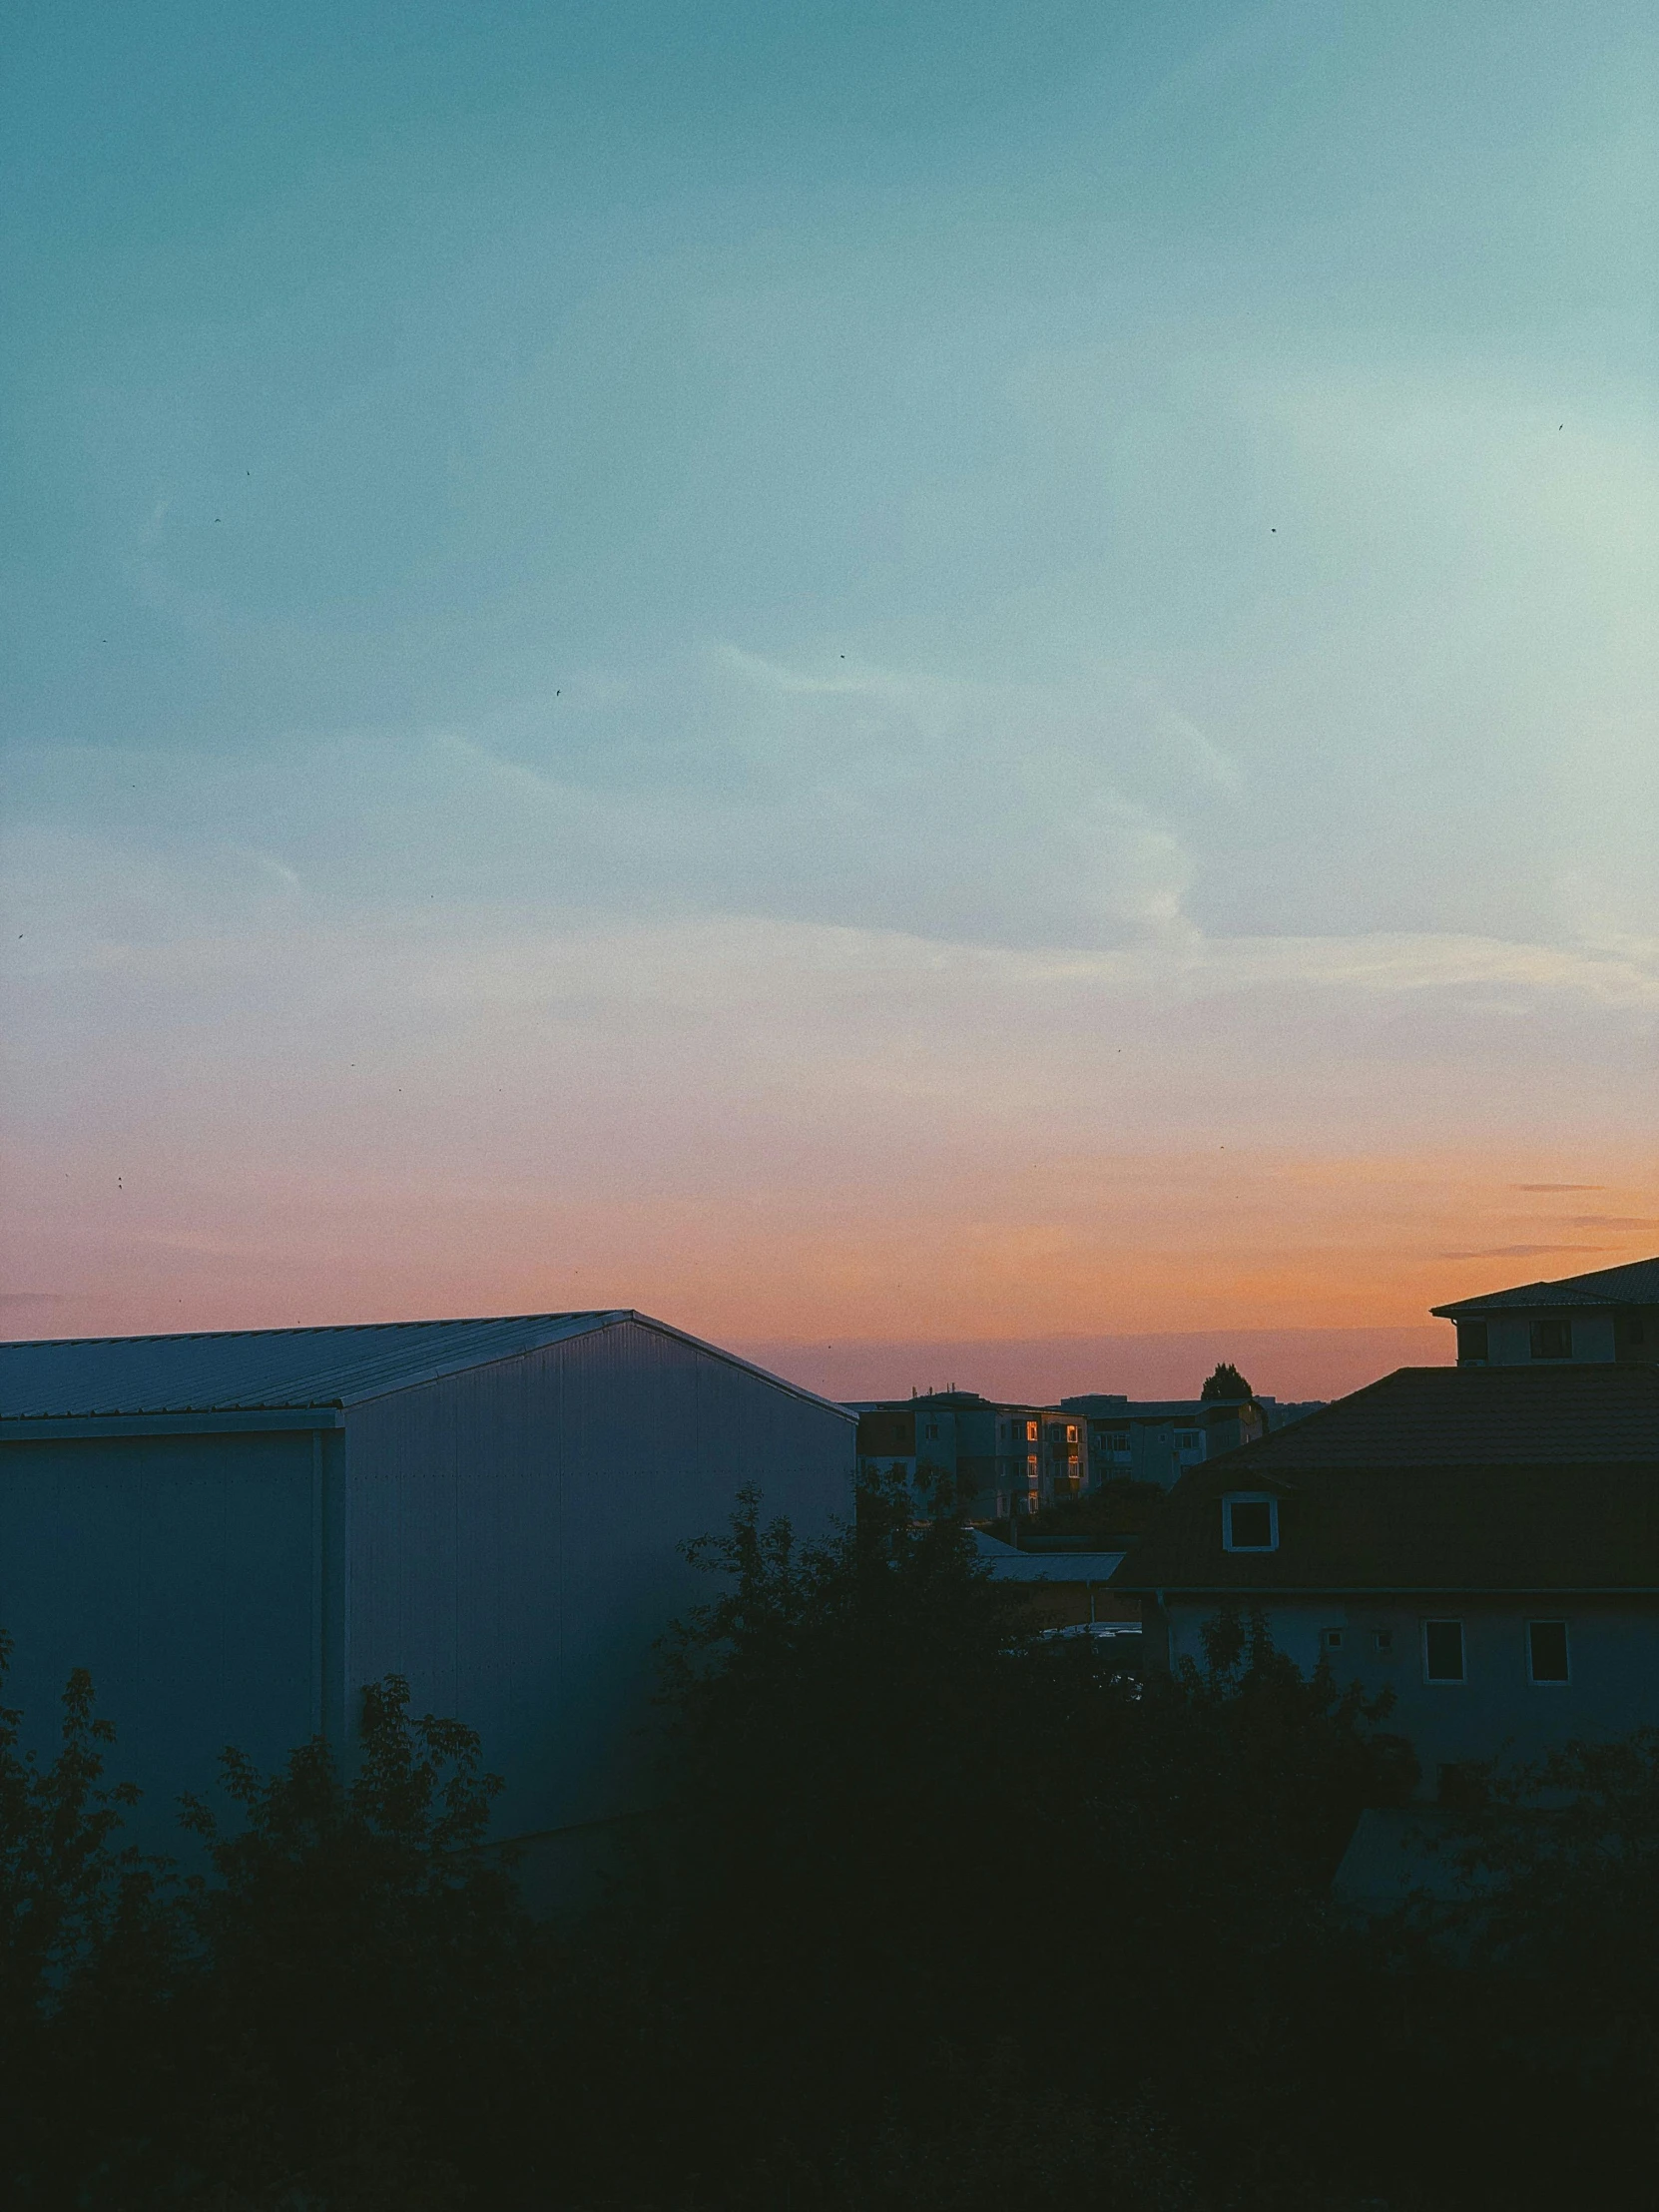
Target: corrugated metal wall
(512, 1542)
(506, 1537)
(179, 1569)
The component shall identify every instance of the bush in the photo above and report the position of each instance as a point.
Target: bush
(938, 1913)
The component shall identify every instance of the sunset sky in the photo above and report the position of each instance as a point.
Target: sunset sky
(880, 678)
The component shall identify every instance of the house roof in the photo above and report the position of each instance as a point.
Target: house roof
(1572, 1414)
(1008, 1565)
(269, 1370)
(1448, 1529)
(1634, 1285)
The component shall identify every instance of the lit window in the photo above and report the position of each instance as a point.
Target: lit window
(1546, 1651)
(1031, 1432)
(1250, 1523)
(1443, 1651)
(1552, 1339)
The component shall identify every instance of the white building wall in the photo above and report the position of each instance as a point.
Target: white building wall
(1496, 1711)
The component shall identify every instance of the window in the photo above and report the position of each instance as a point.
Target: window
(1552, 1339)
(1472, 1344)
(1332, 1639)
(1249, 1523)
(1031, 1432)
(1546, 1652)
(1116, 1441)
(1443, 1651)
(933, 1429)
(1071, 1435)
(1186, 1439)
(1630, 1328)
(1382, 1642)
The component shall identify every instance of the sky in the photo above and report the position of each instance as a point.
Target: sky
(921, 686)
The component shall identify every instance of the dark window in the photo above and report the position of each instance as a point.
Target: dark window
(1471, 1343)
(1251, 1524)
(1552, 1339)
(1633, 1332)
(1443, 1651)
(1332, 1639)
(1383, 1641)
(1546, 1651)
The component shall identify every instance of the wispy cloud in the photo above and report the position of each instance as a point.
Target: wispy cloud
(1522, 1251)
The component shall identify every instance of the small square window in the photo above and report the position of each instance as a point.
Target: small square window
(1332, 1639)
(1472, 1342)
(1250, 1524)
(1546, 1651)
(1382, 1642)
(1443, 1651)
(1552, 1339)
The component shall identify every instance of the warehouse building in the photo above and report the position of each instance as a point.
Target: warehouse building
(236, 1532)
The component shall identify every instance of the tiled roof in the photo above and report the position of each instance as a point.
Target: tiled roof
(248, 1370)
(1419, 1528)
(1574, 1413)
(1634, 1285)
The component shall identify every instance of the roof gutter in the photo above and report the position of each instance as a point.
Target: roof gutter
(1397, 1589)
(29, 1429)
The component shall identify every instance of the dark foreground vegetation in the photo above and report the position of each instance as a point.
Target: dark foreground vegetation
(942, 1916)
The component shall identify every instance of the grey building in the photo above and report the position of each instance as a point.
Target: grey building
(236, 1531)
(1157, 1440)
(1482, 1543)
(1612, 1314)
(1000, 1458)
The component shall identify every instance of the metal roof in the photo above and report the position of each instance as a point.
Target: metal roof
(1634, 1285)
(258, 1370)
(1010, 1565)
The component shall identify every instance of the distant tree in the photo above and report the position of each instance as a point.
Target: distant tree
(1225, 1382)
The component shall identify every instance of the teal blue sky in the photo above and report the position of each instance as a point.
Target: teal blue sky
(785, 662)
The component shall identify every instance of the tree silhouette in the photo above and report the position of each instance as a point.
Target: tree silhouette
(1225, 1382)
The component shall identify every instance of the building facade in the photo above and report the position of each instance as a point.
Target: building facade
(1612, 1314)
(1002, 1459)
(1157, 1440)
(1483, 1545)
(235, 1533)
(997, 1458)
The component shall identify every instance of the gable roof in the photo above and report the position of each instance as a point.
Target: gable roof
(1634, 1285)
(1449, 1530)
(272, 1369)
(1604, 1412)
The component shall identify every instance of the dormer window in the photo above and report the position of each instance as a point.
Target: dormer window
(1249, 1522)
(1552, 1339)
